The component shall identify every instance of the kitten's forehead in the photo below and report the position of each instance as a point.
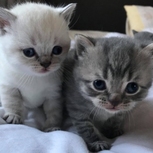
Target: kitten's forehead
(116, 60)
(119, 55)
(40, 24)
(144, 38)
(109, 54)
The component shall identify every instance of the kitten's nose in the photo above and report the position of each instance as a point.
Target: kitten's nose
(115, 99)
(45, 64)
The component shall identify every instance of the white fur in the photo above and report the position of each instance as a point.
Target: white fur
(41, 27)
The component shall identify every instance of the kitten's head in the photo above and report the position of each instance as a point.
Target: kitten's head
(144, 38)
(34, 37)
(113, 73)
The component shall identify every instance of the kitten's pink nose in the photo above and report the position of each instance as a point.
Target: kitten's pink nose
(45, 64)
(115, 99)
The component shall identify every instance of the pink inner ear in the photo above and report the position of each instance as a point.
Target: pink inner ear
(4, 23)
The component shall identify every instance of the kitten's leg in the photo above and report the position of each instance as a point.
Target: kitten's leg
(12, 102)
(113, 127)
(91, 136)
(53, 109)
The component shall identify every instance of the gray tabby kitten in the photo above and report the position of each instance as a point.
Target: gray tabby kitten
(143, 37)
(104, 79)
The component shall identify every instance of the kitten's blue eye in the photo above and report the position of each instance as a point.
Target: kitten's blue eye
(99, 84)
(29, 52)
(131, 88)
(57, 50)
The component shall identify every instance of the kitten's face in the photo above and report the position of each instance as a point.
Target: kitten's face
(145, 38)
(38, 40)
(114, 74)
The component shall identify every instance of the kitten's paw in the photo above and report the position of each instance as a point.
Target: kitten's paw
(12, 118)
(112, 132)
(98, 146)
(49, 126)
(52, 129)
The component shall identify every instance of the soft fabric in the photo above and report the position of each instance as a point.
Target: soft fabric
(138, 18)
(94, 34)
(91, 33)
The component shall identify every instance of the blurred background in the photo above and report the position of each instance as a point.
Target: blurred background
(102, 15)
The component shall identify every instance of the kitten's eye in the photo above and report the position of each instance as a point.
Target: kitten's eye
(29, 52)
(99, 84)
(131, 88)
(57, 50)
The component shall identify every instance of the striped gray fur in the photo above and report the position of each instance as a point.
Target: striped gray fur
(117, 61)
(145, 38)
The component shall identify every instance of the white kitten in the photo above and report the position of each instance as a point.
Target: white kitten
(34, 41)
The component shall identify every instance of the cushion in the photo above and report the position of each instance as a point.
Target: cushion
(138, 18)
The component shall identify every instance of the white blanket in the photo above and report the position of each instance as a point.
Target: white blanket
(138, 136)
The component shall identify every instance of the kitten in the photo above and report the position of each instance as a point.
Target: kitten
(34, 42)
(103, 79)
(144, 38)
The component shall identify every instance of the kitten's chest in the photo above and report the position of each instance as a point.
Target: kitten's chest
(33, 96)
(100, 117)
(36, 91)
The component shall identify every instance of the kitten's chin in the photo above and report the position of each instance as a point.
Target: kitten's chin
(113, 110)
(43, 72)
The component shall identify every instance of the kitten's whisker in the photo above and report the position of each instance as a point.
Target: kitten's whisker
(96, 113)
(35, 66)
(30, 79)
(133, 121)
(92, 111)
(75, 21)
(21, 80)
(58, 72)
(129, 120)
(99, 111)
(25, 79)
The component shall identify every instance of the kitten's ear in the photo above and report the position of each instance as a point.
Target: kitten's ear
(134, 32)
(81, 44)
(67, 12)
(5, 19)
(148, 50)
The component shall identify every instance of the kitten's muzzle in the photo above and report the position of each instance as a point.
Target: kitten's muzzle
(45, 64)
(115, 99)
(45, 61)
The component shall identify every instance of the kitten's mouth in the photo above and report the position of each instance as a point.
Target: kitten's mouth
(112, 108)
(44, 70)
